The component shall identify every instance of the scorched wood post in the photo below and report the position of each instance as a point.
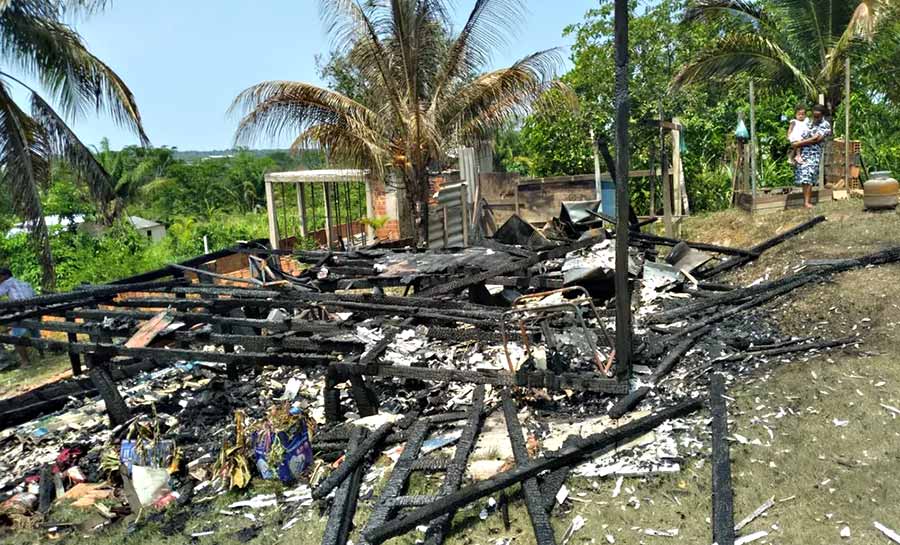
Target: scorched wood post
(623, 115)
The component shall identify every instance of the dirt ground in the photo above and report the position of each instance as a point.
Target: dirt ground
(827, 448)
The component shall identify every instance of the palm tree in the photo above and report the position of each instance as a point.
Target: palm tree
(426, 91)
(129, 170)
(785, 42)
(35, 43)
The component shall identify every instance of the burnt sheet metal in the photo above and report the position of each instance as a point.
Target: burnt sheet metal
(519, 232)
(596, 263)
(575, 212)
(400, 265)
(686, 259)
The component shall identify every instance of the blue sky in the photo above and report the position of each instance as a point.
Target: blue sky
(186, 60)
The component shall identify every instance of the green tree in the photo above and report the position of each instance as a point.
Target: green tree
(35, 42)
(129, 169)
(423, 94)
(785, 42)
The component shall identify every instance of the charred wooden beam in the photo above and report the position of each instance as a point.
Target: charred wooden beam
(540, 522)
(437, 530)
(384, 507)
(116, 408)
(755, 302)
(174, 354)
(722, 492)
(581, 382)
(352, 461)
(191, 318)
(757, 250)
(343, 508)
(666, 241)
(84, 293)
(589, 446)
(780, 351)
(46, 489)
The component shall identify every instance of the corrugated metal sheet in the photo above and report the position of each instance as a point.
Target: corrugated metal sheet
(446, 220)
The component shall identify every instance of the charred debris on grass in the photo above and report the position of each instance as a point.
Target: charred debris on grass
(481, 368)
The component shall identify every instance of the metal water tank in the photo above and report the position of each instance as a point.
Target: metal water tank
(880, 192)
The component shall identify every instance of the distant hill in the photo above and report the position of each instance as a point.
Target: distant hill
(193, 155)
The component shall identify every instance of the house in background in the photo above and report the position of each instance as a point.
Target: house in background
(152, 230)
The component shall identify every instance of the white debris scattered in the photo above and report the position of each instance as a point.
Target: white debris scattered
(755, 514)
(257, 502)
(577, 524)
(890, 534)
(562, 494)
(618, 489)
(838, 423)
(290, 524)
(845, 532)
(610, 539)
(894, 410)
(661, 533)
(751, 538)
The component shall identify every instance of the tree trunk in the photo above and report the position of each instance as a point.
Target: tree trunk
(417, 190)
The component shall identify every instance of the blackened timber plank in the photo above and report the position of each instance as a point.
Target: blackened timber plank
(757, 250)
(174, 354)
(343, 508)
(116, 408)
(352, 461)
(590, 446)
(438, 529)
(540, 522)
(399, 477)
(722, 492)
(590, 382)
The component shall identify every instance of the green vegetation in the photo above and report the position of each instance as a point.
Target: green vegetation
(37, 41)
(700, 73)
(221, 199)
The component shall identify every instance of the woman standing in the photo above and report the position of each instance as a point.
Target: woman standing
(806, 171)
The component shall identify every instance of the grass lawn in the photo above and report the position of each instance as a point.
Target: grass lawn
(43, 370)
(827, 450)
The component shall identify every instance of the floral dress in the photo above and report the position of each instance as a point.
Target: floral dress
(807, 172)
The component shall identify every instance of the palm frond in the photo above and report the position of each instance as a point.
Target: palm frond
(362, 30)
(753, 54)
(344, 145)
(486, 30)
(65, 144)
(33, 39)
(271, 108)
(744, 10)
(484, 104)
(863, 25)
(24, 156)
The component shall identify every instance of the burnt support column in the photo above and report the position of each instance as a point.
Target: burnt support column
(74, 358)
(116, 408)
(722, 491)
(623, 200)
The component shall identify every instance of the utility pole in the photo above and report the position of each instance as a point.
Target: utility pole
(847, 123)
(753, 156)
(623, 201)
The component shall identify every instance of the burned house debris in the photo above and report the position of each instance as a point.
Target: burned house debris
(377, 363)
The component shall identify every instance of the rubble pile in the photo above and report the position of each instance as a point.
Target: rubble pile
(481, 368)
